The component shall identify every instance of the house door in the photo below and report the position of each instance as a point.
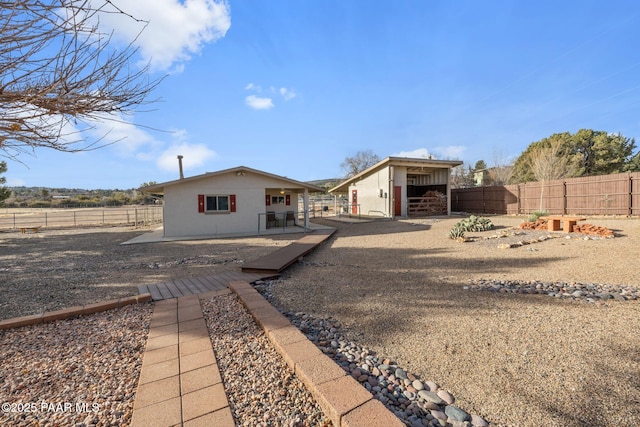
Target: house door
(354, 202)
(397, 200)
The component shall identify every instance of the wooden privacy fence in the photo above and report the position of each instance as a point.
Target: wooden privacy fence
(617, 194)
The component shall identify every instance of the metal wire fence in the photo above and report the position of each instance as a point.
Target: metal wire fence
(137, 216)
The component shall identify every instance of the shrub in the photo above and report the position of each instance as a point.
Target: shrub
(475, 223)
(533, 216)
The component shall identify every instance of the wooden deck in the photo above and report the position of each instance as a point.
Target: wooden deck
(197, 285)
(277, 261)
(264, 268)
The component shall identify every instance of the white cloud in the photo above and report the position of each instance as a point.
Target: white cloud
(259, 103)
(176, 29)
(194, 155)
(253, 87)
(264, 103)
(451, 151)
(287, 94)
(418, 153)
(119, 130)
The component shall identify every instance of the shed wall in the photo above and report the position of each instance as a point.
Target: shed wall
(369, 189)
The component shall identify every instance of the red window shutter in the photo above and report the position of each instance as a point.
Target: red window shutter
(200, 203)
(232, 202)
(287, 199)
(268, 200)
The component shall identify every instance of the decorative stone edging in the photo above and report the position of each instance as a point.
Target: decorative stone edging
(589, 292)
(50, 316)
(340, 396)
(415, 402)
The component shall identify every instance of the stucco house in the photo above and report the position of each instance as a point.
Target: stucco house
(236, 201)
(400, 187)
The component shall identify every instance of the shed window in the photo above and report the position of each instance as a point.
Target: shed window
(217, 204)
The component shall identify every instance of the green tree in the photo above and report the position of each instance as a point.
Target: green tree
(602, 153)
(634, 164)
(585, 153)
(480, 165)
(4, 191)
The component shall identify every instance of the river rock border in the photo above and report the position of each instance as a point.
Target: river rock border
(586, 292)
(415, 402)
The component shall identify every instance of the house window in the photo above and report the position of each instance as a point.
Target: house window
(217, 204)
(277, 200)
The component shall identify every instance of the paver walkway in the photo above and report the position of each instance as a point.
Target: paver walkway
(278, 260)
(197, 285)
(266, 267)
(180, 384)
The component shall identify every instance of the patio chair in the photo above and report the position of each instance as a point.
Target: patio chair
(290, 217)
(271, 219)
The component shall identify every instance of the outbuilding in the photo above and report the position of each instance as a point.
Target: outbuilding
(400, 187)
(236, 201)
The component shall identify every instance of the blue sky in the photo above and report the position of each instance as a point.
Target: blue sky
(294, 87)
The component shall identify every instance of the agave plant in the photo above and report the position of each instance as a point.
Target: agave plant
(456, 233)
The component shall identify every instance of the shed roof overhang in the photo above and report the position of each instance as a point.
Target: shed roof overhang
(416, 165)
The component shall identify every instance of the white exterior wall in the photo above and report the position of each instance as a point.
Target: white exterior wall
(181, 216)
(280, 208)
(371, 204)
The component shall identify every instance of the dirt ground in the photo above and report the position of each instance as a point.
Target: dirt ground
(521, 360)
(64, 267)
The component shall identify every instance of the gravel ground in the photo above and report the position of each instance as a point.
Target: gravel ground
(513, 359)
(60, 268)
(81, 371)
(261, 389)
(398, 287)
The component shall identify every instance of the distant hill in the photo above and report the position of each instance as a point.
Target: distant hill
(326, 183)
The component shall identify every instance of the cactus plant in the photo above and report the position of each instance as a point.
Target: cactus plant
(456, 233)
(475, 223)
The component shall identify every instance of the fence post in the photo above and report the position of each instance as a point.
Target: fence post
(46, 217)
(564, 197)
(519, 206)
(630, 181)
(484, 203)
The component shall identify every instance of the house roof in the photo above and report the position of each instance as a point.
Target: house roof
(412, 164)
(290, 183)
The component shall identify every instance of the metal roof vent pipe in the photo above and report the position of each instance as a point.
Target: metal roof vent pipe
(180, 165)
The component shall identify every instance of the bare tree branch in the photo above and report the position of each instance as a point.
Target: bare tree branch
(59, 75)
(362, 160)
